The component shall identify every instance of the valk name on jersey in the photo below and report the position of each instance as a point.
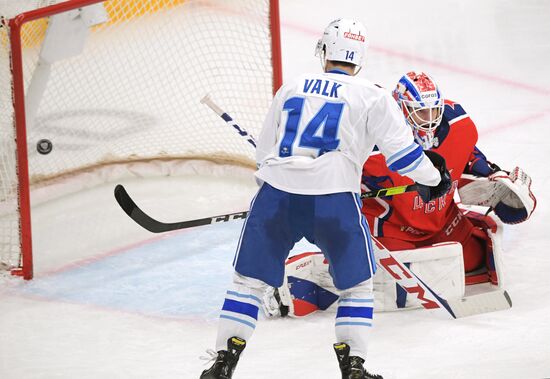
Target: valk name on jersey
(321, 87)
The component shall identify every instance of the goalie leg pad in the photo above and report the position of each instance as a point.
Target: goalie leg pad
(308, 287)
(308, 297)
(440, 266)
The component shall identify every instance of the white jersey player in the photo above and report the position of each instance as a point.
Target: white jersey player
(317, 135)
(328, 126)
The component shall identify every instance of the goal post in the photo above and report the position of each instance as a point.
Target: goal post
(120, 81)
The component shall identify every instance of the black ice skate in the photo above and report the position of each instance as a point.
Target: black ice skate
(351, 367)
(226, 360)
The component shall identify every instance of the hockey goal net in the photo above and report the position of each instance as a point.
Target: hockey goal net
(119, 81)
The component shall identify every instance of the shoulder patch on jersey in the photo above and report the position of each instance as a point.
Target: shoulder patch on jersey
(449, 103)
(453, 111)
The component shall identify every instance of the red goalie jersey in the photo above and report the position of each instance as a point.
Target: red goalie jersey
(404, 221)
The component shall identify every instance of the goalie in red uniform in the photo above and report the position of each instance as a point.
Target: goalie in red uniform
(416, 230)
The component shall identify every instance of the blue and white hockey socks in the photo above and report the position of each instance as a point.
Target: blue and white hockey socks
(239, 313)
(354, 318)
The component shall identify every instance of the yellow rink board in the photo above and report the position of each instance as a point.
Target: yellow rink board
(118, 10)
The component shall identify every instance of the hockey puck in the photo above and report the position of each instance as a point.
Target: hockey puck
(44, 146)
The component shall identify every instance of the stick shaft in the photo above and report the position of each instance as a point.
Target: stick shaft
(228, 119)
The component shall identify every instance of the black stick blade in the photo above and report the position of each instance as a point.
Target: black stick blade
(152, 225)
(136, 214)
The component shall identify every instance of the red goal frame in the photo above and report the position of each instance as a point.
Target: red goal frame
(16, 59)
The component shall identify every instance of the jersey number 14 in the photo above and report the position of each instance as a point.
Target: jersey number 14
(311, 137)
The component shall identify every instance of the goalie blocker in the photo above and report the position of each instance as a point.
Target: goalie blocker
(308, 286)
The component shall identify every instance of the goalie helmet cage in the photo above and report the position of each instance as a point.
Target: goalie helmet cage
(119, 81)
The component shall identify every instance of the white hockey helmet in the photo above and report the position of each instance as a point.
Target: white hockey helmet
(343, 40)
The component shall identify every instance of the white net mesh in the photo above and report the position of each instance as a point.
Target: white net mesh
(133, 93)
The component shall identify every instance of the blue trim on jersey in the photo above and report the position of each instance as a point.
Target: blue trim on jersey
(337, 71)
(365, 227)
(244, 296)
(406, 157)
(351, 323)
(364, 312)
(247, 323)
(401, 153)
(239, 307)
(226, 117)
(412, 167)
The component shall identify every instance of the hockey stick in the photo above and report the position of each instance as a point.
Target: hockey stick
(383, 192)
(489, 301)
(228, 119)
(147, 222)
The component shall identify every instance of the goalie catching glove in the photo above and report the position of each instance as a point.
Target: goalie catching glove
(509, 194)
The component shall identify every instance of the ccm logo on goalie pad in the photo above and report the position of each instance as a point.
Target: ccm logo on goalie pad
(403, 276)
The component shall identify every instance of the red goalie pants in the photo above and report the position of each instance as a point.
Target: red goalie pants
(460, 229)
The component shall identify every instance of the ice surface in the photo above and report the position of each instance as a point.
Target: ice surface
(137, 305)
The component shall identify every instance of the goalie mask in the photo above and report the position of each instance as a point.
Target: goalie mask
(343, 40)
(420, 100)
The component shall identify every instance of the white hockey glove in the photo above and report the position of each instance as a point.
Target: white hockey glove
(508, 194)
(277, 302)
